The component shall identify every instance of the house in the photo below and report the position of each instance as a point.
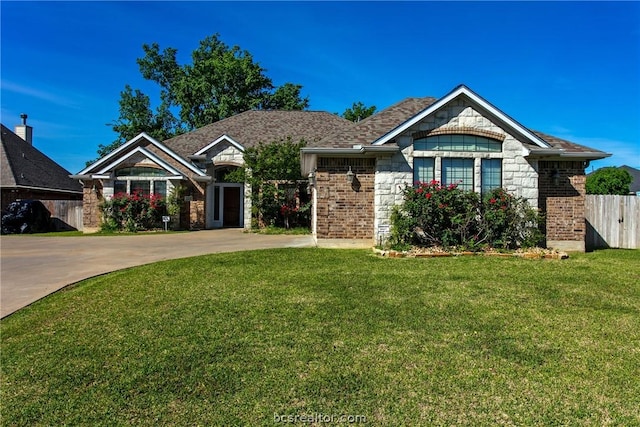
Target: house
(461, 138)
(357, 170)
(199, 161)
(27, 173)
(634, 187)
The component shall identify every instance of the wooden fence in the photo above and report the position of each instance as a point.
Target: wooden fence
(65, 214)
(612, 222)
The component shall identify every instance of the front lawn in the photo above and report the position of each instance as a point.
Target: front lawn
(251, 338)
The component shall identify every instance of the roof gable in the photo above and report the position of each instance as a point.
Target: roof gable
(23, 165)
(131, 144)
(147, 154)
(223, 138)
(478, 101)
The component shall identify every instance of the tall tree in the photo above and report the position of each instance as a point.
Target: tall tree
(358, 111)
(219, 82)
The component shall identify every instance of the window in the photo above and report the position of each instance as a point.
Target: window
(458, 171)
(458, 143)
(119, 187)
(141, 171)
(491, 175)
(132, 180)
(423, 169)
(141, 187)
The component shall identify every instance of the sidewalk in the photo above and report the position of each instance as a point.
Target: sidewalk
(32, 266)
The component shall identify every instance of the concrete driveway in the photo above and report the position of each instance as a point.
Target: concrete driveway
(32, 266)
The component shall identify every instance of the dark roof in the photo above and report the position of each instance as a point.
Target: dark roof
(377, 125)
(27, 167)
(254, 126)
(372, 128)
(634, 187)
(567, 146)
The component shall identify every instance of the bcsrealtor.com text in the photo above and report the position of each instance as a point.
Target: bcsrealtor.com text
(318, 418)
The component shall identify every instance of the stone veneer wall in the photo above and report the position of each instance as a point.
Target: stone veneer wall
(196, 215)
(563, 203)
(344, 211)
(91, 199)
(519, 176)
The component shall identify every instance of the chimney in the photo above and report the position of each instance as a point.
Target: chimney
(25, 131)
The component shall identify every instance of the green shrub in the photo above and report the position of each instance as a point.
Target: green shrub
(509, 222)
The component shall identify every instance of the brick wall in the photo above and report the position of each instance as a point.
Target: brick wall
(343, 210)
(562, 200)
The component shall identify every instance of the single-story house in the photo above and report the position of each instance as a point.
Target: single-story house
(27, 173)
(357, 170)
(199, 161)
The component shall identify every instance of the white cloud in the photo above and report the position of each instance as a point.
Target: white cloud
(46, 94)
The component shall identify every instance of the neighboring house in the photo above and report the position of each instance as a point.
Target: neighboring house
(26, 173)
(634, 187)
(198, 161)
(357, 170)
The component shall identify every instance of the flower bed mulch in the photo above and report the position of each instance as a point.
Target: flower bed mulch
(434, 252)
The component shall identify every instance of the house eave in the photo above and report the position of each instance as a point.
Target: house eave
(205, 179)
(358, 150)
(563, 155)
(31, 187)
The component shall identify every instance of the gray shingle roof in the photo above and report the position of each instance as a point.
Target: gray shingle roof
(254, 126)
(375, 126)
(567, 146)
(634, 187)
(23, 165)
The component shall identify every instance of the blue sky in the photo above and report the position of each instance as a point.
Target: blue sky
(570, 69)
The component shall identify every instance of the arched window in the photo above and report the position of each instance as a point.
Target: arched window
(456, 142)
(140, 171)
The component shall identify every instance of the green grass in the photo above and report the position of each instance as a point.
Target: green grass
(232, 339)
(281, 230)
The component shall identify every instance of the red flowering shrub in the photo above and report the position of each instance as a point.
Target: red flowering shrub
(437, 215)
(509, 222)
(133, 212)
(294, 215)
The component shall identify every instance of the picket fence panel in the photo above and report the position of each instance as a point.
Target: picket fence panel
(612, 221)
(66, 214)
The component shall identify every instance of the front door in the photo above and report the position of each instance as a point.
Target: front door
(225, 203)
(231, 210)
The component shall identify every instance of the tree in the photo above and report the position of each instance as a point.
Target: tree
(219, 82)
(358, 111)
(136, 116)
(609, 180)
(271, 169)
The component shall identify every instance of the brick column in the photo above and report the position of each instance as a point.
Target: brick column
(91, 213)
(562, 199)
(344, 210)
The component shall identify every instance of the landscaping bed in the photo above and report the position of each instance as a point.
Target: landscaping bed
(434, 252)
